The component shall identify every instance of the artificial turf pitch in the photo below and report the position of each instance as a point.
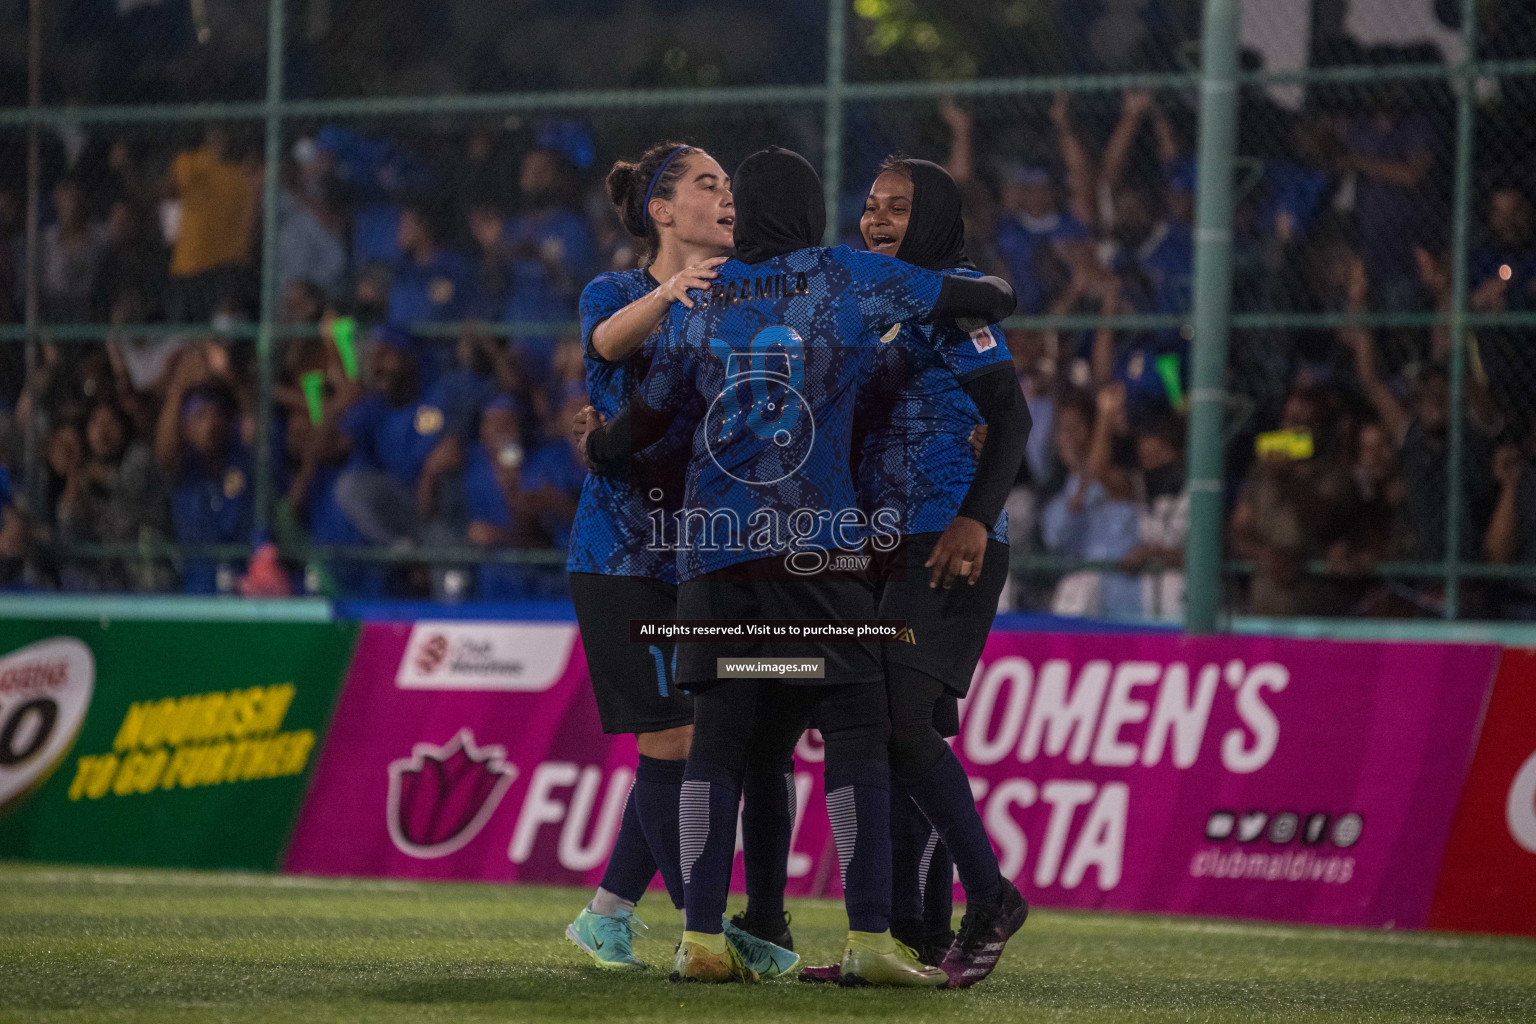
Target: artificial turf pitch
(86, 945)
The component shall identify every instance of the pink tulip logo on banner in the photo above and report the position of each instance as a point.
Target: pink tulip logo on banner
(441, 796)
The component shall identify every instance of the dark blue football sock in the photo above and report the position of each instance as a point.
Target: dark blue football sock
(938, 891)
(657, 785)
(909, 838)
(943, 793)
(631, 865)
(708, 801)
(767, 825)
(861, 827)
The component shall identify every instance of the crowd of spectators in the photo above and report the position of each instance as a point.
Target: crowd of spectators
(448, 439)
(450, 433)
(1339, 440)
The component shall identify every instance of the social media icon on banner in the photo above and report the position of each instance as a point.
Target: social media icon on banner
(1219, 825)
(1346, 832)
(1251, 825)
(1316, 828)
(1283, 829)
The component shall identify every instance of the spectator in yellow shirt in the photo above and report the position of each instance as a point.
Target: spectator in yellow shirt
(220, 202)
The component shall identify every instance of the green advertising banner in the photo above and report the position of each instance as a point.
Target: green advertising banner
(185, 744)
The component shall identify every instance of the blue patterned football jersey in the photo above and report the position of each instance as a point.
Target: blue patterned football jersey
(916, 455)
(778, 355)
(612, 531)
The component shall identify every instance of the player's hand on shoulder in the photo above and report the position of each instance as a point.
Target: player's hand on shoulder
(691, 278)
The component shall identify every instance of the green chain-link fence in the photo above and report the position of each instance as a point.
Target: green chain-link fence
(1382, 256)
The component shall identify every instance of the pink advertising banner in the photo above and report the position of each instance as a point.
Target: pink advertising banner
(1246, 777)
(472, 751)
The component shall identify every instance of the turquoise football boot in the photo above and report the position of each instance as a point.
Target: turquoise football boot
(760, 955)
(609, 939)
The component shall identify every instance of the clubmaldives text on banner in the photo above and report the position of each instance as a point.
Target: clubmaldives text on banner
(178, 744)
(1488, 878)
(472, 750)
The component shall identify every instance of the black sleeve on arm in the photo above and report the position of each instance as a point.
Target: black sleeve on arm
(988, 299)
(588, 348)
(999, 399)
(634, 429)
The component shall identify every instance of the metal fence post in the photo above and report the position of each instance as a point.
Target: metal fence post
(1212, 313)
(832, 118)
(1466, 95)
(36, 495)
(271, 190)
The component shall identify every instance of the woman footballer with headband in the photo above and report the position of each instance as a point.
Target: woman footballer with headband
(676, 203)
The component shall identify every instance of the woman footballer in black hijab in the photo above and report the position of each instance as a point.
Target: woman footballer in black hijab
(938, 382)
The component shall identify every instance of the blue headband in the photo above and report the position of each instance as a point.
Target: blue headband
(645, 207)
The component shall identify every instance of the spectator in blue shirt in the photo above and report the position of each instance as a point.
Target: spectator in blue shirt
(401, 442)
(1093, 517)
(1179, 182)
(516, 496)
(552, 252)
(487, 224)
(432, 282)
(201, 456)
(555, 475)
(1391, 152)
(1146, 217)
(551, 228)
(1159, 249)
(1031, 223)
(480, 368)
(319, 455)
(1031, 208)
(495, 500)
(1297, 184)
